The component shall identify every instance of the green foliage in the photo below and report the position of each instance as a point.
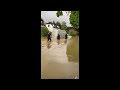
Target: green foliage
(63, 26)
(59, 13)
(58, 24)
(74, 17)
(67, 31)
(44, 31)
(72, 33)
(50, 23)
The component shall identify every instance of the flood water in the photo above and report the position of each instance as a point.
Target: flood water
(60, 61)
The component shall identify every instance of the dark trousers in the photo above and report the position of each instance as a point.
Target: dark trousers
(49, 39)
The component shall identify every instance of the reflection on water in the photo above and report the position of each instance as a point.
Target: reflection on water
(65, 41)
(58, 41)
(48, 45)
(60, 61)
(73, 49)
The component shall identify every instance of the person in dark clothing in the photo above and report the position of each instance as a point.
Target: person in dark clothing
(49, 36)
(66, 38)
(58, 38)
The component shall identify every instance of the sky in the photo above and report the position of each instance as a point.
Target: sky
(50, 16)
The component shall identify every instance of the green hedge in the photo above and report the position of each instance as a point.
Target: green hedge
(73, 32)
(67, 31)
(44, 31)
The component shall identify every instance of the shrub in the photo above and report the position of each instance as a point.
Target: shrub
(67, 31)
(72, 33)
(44, 31)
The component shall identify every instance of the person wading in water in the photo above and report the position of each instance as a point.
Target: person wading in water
(66, 38)
(49, 37)
(49, 40)
(58, 38)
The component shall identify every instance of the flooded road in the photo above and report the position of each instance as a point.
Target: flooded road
(60, 61)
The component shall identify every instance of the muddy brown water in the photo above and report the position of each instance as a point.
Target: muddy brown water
(60, 61)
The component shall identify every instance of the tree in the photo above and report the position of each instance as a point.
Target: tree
(44, 31)
(50, 23)
(74, 17)
(42, 21)
(59, 13)
(58, 24)
(53, 22)
(63, 26)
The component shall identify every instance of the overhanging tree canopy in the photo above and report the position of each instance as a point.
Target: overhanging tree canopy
(42, 21)
(74, 17)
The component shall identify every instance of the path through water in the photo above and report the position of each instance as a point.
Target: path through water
(60, 61)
